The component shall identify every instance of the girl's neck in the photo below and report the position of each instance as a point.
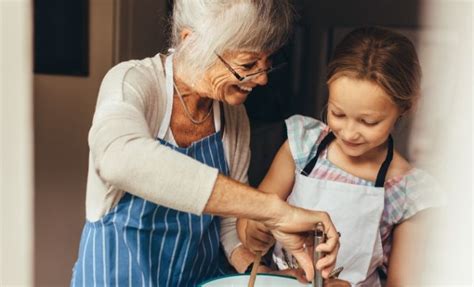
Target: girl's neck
(374, 156)
(365, 166)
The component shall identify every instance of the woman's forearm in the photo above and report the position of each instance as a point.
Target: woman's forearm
(232, 198)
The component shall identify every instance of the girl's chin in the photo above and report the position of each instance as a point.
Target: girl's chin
(352, 153)
(351, 150)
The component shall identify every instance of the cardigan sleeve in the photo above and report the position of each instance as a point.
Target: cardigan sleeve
(239, 161)
(125, 154)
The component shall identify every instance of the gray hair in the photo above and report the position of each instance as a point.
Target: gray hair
(226, 25)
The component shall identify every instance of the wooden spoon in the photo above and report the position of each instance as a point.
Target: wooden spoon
(253, 273)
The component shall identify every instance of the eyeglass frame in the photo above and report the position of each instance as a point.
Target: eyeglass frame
(251, 75)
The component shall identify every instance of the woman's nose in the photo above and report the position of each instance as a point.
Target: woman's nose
(261, 79)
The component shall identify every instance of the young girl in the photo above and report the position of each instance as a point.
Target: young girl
(349, 167)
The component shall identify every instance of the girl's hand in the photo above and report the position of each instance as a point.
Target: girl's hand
(254, 235)
(241, 225)
(258, 237)
(297, 273)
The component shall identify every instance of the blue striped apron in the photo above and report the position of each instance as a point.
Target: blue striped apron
(139, 243)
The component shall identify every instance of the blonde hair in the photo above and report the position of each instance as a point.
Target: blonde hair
(226, 25)
(381, 56)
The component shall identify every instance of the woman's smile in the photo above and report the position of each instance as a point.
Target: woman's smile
(244, 89)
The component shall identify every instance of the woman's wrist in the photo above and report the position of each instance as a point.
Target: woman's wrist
(276, 208)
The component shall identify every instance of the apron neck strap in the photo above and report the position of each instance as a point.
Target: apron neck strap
(165, 123)
(379, 182)
(322, 146)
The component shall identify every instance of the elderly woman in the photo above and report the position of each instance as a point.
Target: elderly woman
(169, 153)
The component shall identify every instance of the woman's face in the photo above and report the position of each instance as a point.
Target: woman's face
(360, 114)
(219, 83)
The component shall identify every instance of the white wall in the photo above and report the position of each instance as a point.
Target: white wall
(63, 110)
(16, 144)
(442, 137)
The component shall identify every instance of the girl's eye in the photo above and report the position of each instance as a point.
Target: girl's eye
(337, 115)
(367, 123)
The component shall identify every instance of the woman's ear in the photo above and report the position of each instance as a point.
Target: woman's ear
(185, 33)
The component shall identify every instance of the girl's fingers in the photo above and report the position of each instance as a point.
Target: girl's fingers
(264, 237)
(257, 244)
(297, 273)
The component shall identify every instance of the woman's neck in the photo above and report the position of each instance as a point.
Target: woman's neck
(196, 102)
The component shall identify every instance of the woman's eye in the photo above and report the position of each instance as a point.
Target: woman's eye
(249, 65)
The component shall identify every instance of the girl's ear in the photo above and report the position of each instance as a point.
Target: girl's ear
(404, 112)
(324, 114)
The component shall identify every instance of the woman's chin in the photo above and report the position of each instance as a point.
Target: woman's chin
(236, 99)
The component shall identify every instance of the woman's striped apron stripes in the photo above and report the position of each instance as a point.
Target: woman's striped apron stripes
(140, 243)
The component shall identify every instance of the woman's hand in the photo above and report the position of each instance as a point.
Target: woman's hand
(288, 224)
(291, 230)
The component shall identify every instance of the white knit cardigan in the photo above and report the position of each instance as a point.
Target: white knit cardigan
(125, 155)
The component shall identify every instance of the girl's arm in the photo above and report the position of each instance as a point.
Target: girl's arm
(409, 252)
(281, 175)
(279, 180)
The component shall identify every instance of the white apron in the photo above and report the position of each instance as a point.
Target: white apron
(355, 210)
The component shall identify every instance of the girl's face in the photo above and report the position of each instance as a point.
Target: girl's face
(219, 83)
(360, 114)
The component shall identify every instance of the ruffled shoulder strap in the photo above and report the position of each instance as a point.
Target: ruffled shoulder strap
(412, 193)
(304, 136)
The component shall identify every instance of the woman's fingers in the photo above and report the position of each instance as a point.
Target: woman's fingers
(305, 261)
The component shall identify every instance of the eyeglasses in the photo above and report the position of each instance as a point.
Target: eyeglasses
(251, 75)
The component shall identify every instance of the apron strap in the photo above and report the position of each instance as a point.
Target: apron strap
(165, 123)
(322, 146)
(379, 182)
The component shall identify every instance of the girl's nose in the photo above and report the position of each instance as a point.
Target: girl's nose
(350, 132)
